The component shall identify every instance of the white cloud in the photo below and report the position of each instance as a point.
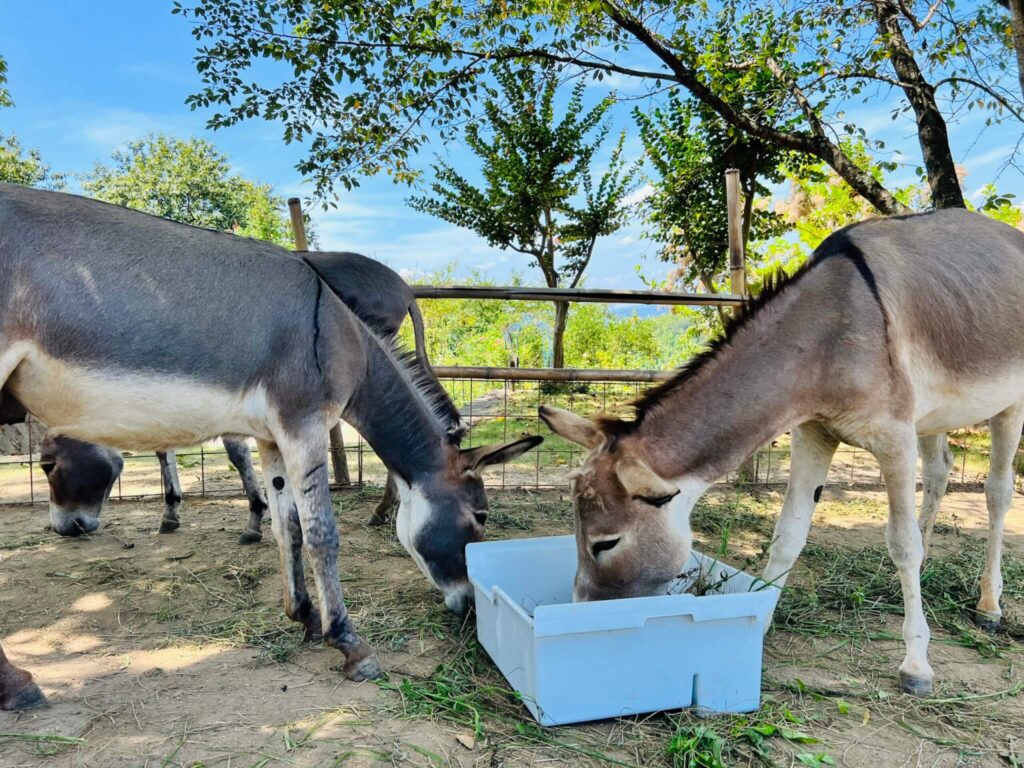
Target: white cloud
(111, 128)
(992, 155)
(639, 195)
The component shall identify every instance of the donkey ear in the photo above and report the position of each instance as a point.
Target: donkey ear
(641, 482)
(500, 453)
(455, 432)
(573, 428)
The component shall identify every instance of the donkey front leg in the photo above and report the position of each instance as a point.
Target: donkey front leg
(382, 512)
(172, 491)
(1005, 430)
(305, 458)
(241, 460)
(897, 457)
(936, 463)
(17, 691)
(810, 458)
(284, 521)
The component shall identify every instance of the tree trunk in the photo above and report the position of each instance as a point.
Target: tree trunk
(862, 182)
(1017, 21)
(931, 126)
(558, 344)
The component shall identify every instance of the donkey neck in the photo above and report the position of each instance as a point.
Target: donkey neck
(399, 411)
(757, 385)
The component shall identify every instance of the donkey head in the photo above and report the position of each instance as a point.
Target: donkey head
(632, 526)
(80, 477)
(438, 517)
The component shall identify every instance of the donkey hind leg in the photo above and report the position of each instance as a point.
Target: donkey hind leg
(811, 456)
(1006, 431)
(936, 463)
(241, 460)
(382, 512)
(897, 457)
(172, 491)
(17, 691)
(305, 457)
(284, 520)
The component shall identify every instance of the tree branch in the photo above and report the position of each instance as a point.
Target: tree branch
(908, 13)
(805, 106)
(987, 89)
(817, 145)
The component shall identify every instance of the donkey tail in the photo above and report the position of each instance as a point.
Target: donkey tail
(419, 341)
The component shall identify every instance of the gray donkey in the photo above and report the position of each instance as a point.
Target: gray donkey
(896, 328)
(76, 472)
(380, 298)
(125, 329)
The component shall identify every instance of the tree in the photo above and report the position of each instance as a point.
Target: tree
(690, 148)
(369, 83)
(534, 168)
(21, 166)
(191, 182)
(5, 95)
(1016, 9)
(18, 165)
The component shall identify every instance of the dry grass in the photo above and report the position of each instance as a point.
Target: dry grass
(830, 693)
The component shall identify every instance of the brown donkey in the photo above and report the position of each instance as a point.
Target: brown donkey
(896, 328)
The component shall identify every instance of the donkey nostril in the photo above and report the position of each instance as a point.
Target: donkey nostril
(481, 518)
(603, 546)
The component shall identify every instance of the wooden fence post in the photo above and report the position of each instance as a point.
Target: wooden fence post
(737, 252)
(339, 461)
(747, 471)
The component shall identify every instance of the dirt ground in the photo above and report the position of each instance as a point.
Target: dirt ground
(172, 650)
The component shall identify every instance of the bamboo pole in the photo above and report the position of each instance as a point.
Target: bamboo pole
(747, 471)
(576, 295)
(737, 255)
(298, 226)
(339, 462)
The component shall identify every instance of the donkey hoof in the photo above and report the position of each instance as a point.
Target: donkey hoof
(313, 629)
(988, 623)
(169, 526)
(376, 521)
(363, 665)
(29, 697)
(915, 685)
(250, 537)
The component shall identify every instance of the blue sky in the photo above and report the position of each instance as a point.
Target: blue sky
(86, 77)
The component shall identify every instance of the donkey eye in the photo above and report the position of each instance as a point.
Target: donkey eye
(657, 501)
(481, 518)
(603, 546)
(47, 466)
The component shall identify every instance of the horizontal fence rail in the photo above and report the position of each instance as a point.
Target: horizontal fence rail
(548, 374)
(499, 404)
(575, 295)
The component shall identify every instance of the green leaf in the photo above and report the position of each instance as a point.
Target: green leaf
(797, 736)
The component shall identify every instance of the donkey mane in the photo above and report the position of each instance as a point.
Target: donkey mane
(774, 285)
(426, 385)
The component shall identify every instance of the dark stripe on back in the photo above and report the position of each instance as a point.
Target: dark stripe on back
(424, 379)
(837, 244)
(856, 255)
(316, 326)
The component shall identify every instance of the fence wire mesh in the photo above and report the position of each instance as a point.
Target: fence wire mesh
(497, 411)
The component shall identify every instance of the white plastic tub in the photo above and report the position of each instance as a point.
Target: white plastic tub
(573, 662)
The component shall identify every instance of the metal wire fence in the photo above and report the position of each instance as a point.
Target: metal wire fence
(497, 410)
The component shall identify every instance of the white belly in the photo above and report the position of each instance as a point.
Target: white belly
(133, 410)
(944, 402)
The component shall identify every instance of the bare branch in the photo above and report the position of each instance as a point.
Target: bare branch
(1000, 99)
